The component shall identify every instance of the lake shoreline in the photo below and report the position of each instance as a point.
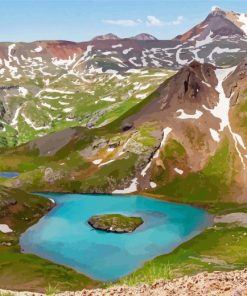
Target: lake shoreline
(209, 206)
(30, 239)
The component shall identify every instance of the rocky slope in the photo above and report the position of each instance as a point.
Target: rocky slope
(218, 23)
(211, 284)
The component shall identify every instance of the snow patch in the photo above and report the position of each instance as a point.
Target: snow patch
(117, 45)
(5, 228)
(205, 41)
(153, 185)
(243, 19)
(166, 132)
(132, 188)
(14, 120)
(64, 63)
(108, 99)
(180, 172)
(219, 50)
(133, 62)
(178, 59)
(23, 91)
(107, 162)
(195, 52)
(111, 71)
(144, 171)
(184, 115)
(205, 83)
(126, 51)
(117, 59)
(97, 161)
(141, 96)
(67, 110)
(215, 135)
(31, 124)
(221, 110)
(38, 49)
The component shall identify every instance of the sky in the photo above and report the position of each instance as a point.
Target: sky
(81, 20)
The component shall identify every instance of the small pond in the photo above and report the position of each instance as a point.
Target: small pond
(9, 174)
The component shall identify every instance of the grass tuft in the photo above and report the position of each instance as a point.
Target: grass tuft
(153, 272)
(51, 290)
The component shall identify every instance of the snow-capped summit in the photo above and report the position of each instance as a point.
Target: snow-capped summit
(216, 10)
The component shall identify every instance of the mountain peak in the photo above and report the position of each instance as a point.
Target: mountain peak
(108, 36)
(144, 36)
(218, 23)
(216, 10)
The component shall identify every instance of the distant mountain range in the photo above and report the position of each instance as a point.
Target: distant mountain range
(110, 36)
(92, 83)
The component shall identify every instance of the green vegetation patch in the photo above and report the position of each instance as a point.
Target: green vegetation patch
(171, 155)
(20, 271)
(173, 150)
(210, 184)
(222, 247)
(115, 223)
(110, 175)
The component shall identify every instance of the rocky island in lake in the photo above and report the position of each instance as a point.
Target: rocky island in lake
(115, 223)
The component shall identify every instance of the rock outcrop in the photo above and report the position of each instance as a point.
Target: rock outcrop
(115, 223)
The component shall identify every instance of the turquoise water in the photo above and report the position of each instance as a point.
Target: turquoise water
(64, 236)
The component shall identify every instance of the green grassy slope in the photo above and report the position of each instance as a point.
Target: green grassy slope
(218, 248)
(211, 184)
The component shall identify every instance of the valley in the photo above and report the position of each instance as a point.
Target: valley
(140, 127)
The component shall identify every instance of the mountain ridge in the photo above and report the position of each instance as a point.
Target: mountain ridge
(217, 23)
(62, 70)
(172, 115)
